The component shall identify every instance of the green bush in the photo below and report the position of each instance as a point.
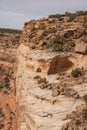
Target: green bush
(71, 17)
(58, 39)
(57, 43)
(42, 80)
(57, 47)
(77, 122)
(76, 72)
(56, 16)
(49, 31)
(80, 13)
(69, 46)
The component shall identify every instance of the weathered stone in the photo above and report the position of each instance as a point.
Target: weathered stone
(81, 48)
(45, 108)
(37, 107)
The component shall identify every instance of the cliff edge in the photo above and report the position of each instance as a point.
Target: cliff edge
(51, 75)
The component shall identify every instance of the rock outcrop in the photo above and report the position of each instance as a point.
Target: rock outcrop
(47, 90)
(38, 108)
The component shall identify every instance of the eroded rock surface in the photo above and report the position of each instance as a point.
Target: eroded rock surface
(52, 72)
(38, 108)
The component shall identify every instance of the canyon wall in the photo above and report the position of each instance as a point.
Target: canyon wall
(43, 109)
(9, 43)
(47, 90)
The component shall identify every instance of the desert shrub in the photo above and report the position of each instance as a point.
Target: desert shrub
(42, 80)
(71, 43)
(57, 43)
(76, 72)
(52, 30)
(69, 46)
(5, 78)
(7, 82)
(77, 122)
(71, 16)
(49, 31)
(56, 16)
(85, 98)
(80, 13)
(58, 39)
(84, 114)
(7, 30)
(57, 47)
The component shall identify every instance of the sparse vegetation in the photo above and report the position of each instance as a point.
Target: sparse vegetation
(57, 43)
(5, 79)
(76, 72)
(77, 122)
(49, 31)
(42, 80)
(59, 39)
(57, 47)
(69, 46)
(56, 16)
(7, 30)
(71, 43)
(71, 16)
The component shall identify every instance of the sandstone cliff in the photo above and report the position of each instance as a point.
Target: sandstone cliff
(51, 75)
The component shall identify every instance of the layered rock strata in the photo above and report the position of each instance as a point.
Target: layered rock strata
(38, 109)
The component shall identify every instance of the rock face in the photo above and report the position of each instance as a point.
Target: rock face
(47, 90)
(81, 48)
(38, 109)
